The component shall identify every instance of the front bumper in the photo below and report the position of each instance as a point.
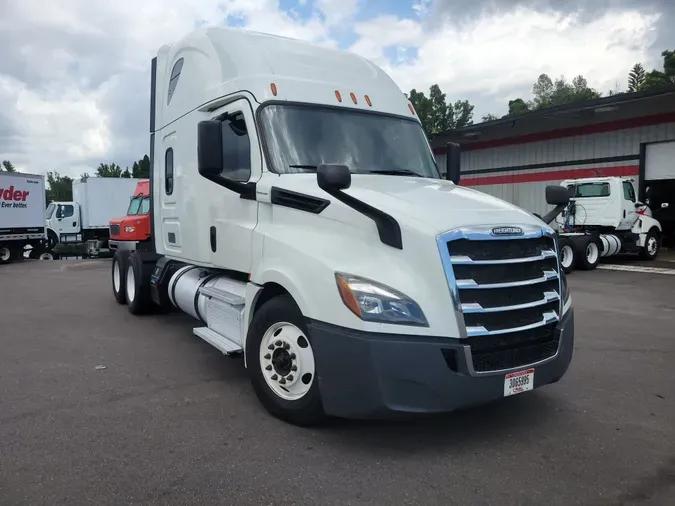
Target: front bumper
(367, 375)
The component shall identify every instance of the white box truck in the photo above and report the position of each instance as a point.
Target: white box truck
(96, 200)
(298, 214)
(22, 215)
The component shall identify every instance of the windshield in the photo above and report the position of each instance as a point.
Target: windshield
(145, 206)
(589, 190)
(133, 206)
(50, 210)
(299, 138)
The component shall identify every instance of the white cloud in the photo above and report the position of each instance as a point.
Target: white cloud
(501, 55)
(74, 73)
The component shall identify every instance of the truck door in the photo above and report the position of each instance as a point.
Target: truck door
(67, 218)
(628, 211)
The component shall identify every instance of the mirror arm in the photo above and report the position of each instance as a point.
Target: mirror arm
(245, 190)
(552, 214)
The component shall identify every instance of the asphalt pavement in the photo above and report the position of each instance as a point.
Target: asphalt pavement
(99, 407)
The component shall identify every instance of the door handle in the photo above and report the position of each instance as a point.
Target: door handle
(624, 213)
(74, 224)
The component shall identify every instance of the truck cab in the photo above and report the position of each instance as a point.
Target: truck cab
(608, 208)
(127, 231)
(63, 223)
(298, 215)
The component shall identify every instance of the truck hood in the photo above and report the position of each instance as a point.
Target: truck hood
(433, 203)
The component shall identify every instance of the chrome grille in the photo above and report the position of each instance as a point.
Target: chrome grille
(507, 295)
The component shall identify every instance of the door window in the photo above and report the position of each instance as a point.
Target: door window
(65, 211)
(628, 191)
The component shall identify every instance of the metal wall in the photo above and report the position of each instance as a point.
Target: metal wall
(520, 173)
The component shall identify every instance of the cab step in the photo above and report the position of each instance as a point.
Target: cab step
(217, 341)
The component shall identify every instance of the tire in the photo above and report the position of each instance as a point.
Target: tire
(567, 255)
(52, 239)
(651, 248)
(137, 285)
(117, 277)
(278, 327)
(588, 254)
(6, 255)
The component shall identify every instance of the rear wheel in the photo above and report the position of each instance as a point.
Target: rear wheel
(651, 248)
(281, 363)
(118, 276)
(137, 285)
(567, 255)
(5, 255)
(588, 254)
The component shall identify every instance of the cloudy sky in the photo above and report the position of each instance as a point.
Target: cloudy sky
(74, 74)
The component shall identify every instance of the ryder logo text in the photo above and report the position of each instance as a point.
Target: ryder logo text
(9, 197)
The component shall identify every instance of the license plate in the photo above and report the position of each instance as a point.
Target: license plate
(518, 382)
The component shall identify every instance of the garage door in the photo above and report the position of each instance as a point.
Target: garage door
(660, 161)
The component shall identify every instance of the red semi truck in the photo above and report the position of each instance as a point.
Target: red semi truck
(133, 230)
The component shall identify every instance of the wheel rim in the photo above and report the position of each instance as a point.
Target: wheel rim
(652, 246)
(287, 361)
(566, 256)
(4, 254)
(592, 253)
(46, 256)
(131, 284)
(116, 276)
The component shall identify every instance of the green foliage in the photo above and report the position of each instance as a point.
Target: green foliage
(489, 117)
(661, 78)
(7, 166)
(518, 106)
(59, 188)
(636, 77)
(141, 168)
(437, 114)
(112, 170)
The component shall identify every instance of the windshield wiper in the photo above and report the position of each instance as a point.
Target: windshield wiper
(302, 166)
(396, 172)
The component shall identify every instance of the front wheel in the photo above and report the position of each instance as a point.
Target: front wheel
(118, 278)
(5, 255)
(651, 248)
(281, 363)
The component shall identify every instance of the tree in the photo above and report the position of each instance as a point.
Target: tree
(662, 78)
(438, 115)
(112, 170)
(59, 188)
(636, 77)
(490, 117)
(518, 106)
(7, 166)
(141, 168)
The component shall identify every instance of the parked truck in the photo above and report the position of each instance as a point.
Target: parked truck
(133, 230)
(602, 219)
(87, 218)
(298, 215)
(22, 218)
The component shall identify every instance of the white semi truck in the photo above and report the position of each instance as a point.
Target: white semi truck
(298, 214)
(602, 219)
(22, 218)
(86, 219)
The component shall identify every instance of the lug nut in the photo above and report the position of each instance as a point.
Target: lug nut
(282, 381)
(292, 356)
(289, 377)
(268, 356)
(274, 377)
(270, 347)
(278, 343)
(286, 346)
(268, 368)
(294, 368)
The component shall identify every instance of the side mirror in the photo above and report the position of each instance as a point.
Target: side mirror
(333, 177)
(452, 162)
(210, 148)
(557, 195)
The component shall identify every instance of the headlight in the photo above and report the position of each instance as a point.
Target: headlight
(129, 229)
(375, 302)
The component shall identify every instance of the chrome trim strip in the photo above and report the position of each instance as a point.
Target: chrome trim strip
(470, 283)
(548, 317)
(465, 260)
(475, 307)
